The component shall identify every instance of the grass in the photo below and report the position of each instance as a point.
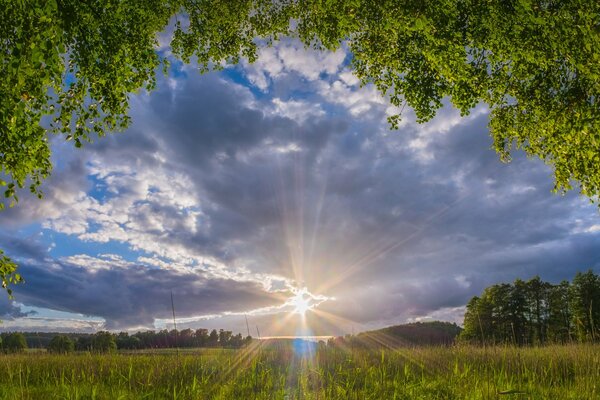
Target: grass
(553, 372)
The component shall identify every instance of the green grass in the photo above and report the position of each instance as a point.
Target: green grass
(553, 372)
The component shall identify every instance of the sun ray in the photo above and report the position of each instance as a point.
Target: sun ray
(377, 251)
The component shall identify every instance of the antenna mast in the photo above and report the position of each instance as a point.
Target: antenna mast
(174, 322)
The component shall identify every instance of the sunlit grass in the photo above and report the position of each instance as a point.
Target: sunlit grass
(263, 372)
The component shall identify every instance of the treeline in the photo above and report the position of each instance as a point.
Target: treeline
(106, 341)
(535, 312)
(185, 339)
(430, 333)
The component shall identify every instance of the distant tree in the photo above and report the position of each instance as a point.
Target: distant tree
(485, 316)
(124, 341)
(430, 333)
(538, 293)
(84, 343)
(163, 339)
(585, 302)
(186, 338)
(147, 339)
(201, 337)
(104, 342)
(173, 338)
(61, 344)
(519, 333)
(560, 319)
(14, 342)
(236, 341)
(213, 338)
(224, 337)
(472, 330)
(535, 312)
(499, 298)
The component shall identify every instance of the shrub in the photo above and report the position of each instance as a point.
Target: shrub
(61, 344)
(14, 343)
(104, 342)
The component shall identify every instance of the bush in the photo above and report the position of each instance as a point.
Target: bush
(61, 344)
(104, 342)
(14, 342)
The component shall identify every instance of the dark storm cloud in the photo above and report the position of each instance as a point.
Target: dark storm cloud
(131, 296)
(208, 121)
(9, 310)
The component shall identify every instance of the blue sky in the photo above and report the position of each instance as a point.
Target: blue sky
(238, 190)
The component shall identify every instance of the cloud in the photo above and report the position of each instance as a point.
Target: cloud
(296, 110)
(10, 311)
(134, 295)
(36, 324)
(232, 197)
(290, 57)
(358, 101)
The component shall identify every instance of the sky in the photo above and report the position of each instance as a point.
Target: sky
(240, 190)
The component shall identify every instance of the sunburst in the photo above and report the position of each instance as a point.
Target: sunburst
(301, 302)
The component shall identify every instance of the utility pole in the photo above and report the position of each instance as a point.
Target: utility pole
(174, 323)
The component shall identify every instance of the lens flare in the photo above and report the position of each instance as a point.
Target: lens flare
(301, 302)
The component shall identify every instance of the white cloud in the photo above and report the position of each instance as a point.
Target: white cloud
(41, 324)
(290, 56)
(143, 205)
(298, 110)
(593, 229)
(358, 101)
(349, 78)
(268, 66)
(310, 63)
(102, 262)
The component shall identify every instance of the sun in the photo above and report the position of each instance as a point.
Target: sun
(300, 303)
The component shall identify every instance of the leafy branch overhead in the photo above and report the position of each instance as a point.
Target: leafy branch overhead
(8, 274)
(69, 67)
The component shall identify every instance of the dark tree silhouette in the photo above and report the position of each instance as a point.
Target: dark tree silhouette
(535, 312)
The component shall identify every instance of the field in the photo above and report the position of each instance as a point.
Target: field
(553, 372)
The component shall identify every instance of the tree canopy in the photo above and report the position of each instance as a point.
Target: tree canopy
(535, 312)
(70, 67)
(61, 344)
(14, 342)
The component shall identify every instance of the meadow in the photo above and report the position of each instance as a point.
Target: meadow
(262, 372)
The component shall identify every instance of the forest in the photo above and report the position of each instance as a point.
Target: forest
(429, 333)
(104, 341)
(535, 312)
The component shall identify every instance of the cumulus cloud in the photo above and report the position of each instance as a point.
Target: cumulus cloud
(290, 57)
(129, 294)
